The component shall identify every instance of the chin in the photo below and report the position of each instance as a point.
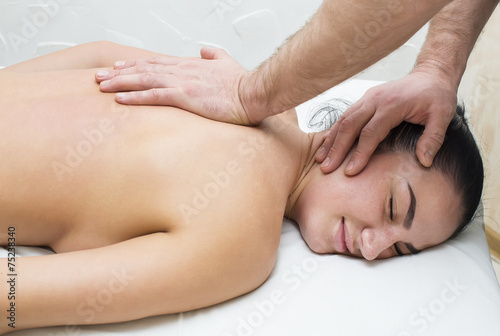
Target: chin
(315, 240)
(318, 246)
(322, 250)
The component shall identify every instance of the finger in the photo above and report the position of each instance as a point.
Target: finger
(168, 96)
(103, 75)
(347, 132)
(431, 140)
(207, 53)
(211, 53)
(128, 64)
(162, 60)
(136, 82)
(140, 68)
(371, 135)
(330, 136)
(328, 139)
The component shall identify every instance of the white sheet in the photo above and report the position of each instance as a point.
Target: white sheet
(447, 290)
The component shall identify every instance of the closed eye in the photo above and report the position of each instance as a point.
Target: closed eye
(391, 214)
(398, 251)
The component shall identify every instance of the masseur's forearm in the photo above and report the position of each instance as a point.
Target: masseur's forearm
(451, 38)
(342, 38)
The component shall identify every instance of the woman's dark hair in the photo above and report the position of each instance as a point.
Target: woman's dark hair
(458, 159)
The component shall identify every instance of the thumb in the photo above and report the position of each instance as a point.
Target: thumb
(211, 53)
(431, 141)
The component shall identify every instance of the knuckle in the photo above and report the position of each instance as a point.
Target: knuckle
(190, 91)
(338, 148)
(142, 67)
(147, 79)
(130, 64)
(347, 125)
(341, 118)
(153, 60)
(382, 96)
(436, 138)
(369, 132)
(362, 153)
(373, 93)
(155, 94)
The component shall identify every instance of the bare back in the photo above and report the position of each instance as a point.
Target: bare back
(81, 171)
(109, 184)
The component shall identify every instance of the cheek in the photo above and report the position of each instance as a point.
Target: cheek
(359, 197)
(314, 225)
(316, 222)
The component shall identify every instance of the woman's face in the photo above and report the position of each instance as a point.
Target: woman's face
(394, 206)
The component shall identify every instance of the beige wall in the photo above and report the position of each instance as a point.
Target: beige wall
(480, 90)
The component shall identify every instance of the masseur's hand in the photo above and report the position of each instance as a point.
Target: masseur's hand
(419, 98)
(207, 86)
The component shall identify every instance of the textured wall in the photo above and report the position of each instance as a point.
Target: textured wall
(249, 29)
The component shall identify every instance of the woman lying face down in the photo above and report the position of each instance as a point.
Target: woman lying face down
(146, 190)
(394, 206)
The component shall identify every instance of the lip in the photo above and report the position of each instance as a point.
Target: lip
(347, 238)
(339, 240)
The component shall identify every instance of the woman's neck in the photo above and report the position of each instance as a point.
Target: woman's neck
(311, 144)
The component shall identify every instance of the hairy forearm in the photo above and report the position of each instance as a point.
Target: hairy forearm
(451, 38)
(342, 38)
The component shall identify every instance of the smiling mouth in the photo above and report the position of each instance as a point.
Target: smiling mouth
(339, 240)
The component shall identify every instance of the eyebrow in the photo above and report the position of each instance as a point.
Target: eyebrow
(411, 210)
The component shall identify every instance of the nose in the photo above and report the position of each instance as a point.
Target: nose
(375, 241)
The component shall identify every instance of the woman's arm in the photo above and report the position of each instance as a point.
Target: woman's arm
(156, 274)
(84, 56)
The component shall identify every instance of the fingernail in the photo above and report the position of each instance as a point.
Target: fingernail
(326, 162)
(321, 151)
(349, 166)
(429, 157)
(119, 64)
(121, 95)
(102, 73)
